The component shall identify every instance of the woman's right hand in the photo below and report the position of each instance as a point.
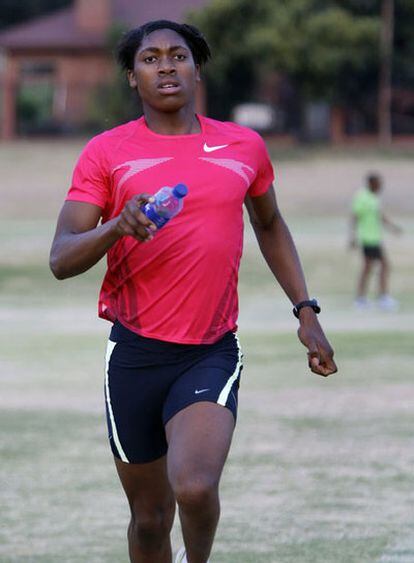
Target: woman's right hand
(133, 222)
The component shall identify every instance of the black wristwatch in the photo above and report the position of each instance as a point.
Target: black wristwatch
(312, 303)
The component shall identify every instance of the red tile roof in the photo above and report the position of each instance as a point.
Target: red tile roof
(58, 30)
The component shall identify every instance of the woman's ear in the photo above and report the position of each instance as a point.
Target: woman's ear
(197, 73)
(132, 79)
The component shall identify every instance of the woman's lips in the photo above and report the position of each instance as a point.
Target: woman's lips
(169, 88)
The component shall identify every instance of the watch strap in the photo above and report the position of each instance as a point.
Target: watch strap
(312, 303)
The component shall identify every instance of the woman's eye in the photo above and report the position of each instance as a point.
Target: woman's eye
(150, 59)
(180, 57)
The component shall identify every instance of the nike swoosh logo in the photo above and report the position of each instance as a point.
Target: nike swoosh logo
(212, 149)
(198, 391)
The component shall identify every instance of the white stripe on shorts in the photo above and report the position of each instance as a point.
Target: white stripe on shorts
(224, 395)
(109, 350)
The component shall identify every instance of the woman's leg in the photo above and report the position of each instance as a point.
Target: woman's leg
(384, 274)
(364, 276)
(199, 439)
(152, 505)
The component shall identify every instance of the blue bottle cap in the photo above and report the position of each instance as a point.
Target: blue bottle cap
(180, 190)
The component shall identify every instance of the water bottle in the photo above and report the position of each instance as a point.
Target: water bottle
(168, 203)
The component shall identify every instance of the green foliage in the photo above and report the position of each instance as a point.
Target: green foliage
(232, 75)
(333, 52)
(325, 47)
(404, 44)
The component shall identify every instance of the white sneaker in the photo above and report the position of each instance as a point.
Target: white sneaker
(387, 303)
(181, 557)
(362, 304)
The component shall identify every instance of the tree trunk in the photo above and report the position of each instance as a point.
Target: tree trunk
(337, 125)
(385, 72)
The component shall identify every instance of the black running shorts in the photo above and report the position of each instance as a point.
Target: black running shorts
(373, 251)
(148, 381)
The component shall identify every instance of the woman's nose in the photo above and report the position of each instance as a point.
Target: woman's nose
(166, 66)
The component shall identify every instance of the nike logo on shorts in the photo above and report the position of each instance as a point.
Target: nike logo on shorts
(198, 391)
(212, 149)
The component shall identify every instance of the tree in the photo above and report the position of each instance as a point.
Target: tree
(228, 25)
(326, 49)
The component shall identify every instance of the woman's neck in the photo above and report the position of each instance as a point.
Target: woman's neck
(182, 122)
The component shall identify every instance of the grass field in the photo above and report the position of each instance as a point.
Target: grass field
(320, 470)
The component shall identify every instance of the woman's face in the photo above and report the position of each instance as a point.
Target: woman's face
(164, 73)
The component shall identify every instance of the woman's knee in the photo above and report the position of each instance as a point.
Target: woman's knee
(152, 527)
(196, 492)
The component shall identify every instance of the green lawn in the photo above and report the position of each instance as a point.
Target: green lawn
(321, 470)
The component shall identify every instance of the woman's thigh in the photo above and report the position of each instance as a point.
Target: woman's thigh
(199, 439)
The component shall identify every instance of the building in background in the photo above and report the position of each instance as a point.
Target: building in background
(51, 67)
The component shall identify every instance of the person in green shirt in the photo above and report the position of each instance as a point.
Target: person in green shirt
(366, 232)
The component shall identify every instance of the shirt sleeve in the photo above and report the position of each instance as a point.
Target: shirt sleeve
(90, 180)
(265, 174)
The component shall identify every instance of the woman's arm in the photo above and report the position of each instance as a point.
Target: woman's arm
(280, 253)
(79, 242)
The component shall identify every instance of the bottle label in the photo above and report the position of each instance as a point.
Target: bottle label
(153, 216)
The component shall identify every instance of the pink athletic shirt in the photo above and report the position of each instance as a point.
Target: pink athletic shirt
(182, 285)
